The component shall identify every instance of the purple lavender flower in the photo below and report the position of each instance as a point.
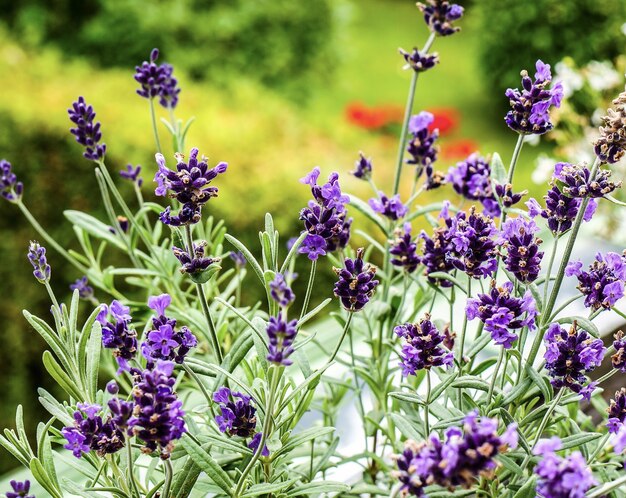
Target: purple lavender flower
(37, 257)
(281, 334)
(132, 174)
(435, 255)
(362, 168)
(529, 107)
(87, 132)
(158, 415)
(611, 144)
(324, 218)
(164, 342)
(422, 348)
(117, 333)
(356, 283)
(10, 188)
(472, 179)
(459, 460)
(619, 440)
(238, 258)
(391, 208)
(603, 283)
(238, 416)
(404, 249)
(91, 432)
(280, 291)
(617, 411)
(85, 291)
(422, 146)
(503, 313)
(112, 387)
(196, 264)
(575, 180)
(561, 477)
(418, 61)
(619, 358)
(439, 15)
(506, 195)
(189, 185)
(560, 210)
(523, 257)
(569, 355)
(157, 81)
(473, 243)
(20, 490)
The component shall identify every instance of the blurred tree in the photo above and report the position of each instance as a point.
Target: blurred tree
(515, 34)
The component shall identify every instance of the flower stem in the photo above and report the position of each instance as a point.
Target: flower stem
(154, 125)
(215, 343)
(48, 238)
(495, 375)
(464, 328)
(131, 473)
(427, 405)
(309, 288)
(515, 157)
(169, 473)
(599, 448)
(608, 487)
(407, 116)
(546, 284)
(343, 336)
(269, 409)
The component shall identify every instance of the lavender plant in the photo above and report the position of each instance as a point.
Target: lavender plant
(459, 350)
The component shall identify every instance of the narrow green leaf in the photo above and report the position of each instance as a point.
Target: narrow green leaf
(318, 487)
(94, 346)
(94, 227)
(207, 464)
(59, 375)
(369, 213)
(528, 489)
(248, 255)
(42, 477)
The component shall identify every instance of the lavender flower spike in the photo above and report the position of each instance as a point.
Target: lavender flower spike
(418, 61)
(561, 477)
(20, 490)
(571, 354)
(523, 257)
(158, 416)
(529, 107)
(85, 291)
(10, 188)
(157, 81)
(439, 15)
(280, 291)
(356, 283)
(421, 147)
(391, 208)
(37, 257)
(363, 168)
(281, 334)
(617, 411)
(603, 283)
(611, 145)
(403, 249)
(423, 347)
(87, 132)
(132, 174)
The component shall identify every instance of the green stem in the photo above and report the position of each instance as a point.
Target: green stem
(154, 126)
(515, 157)
(215, 343)
(343, 336)
(427, 405)
(201, 385)
(269, 409)
(407, 116)
(464, 328)
(169, 473)
(608, 487)
(131, 473)
(599, 448)
(495, 375)
(48, 238)
(546, 283)
(357, 388)
(309, 288)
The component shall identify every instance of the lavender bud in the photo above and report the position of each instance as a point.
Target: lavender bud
(132, 174)
(10, 188)
(85, 291)
(617, 411)
(112, 387)
(419, 62)
(20, 490)
(281, 334)
(362, 168)
(611, 145)
(404, 249)
(422, 348)
(87, 132)
(356, 283)
(37, 257)
(391, 208)
(280, 291)
(439, 15)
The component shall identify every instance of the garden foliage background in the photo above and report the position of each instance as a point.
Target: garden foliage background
(277, 86)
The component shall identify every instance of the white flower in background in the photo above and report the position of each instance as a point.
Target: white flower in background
(570, 78)
(544, 167)
(602, 76)
(532, 140)
(624, 28)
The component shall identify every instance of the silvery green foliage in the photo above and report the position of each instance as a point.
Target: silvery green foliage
(440, 351)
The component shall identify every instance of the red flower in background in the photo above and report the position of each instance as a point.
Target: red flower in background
(459, 149)
(384, 116)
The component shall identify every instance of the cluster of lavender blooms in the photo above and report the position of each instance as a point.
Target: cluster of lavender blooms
(558, 477)
(465, 249)
(569, 355)
(157, 81)
(503, 313)
(20, 490)
(189, 184)
(423, 347)
(465, 454)
(325, 219)
(238, 417)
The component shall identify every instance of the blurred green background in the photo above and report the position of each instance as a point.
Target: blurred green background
(274, 85)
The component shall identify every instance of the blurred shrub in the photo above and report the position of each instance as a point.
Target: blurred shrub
(515, 34)
(278, 42)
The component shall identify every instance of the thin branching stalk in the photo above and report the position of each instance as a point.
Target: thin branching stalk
(155, 131)
(343, 336)
(309, 288)
(131, 472)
